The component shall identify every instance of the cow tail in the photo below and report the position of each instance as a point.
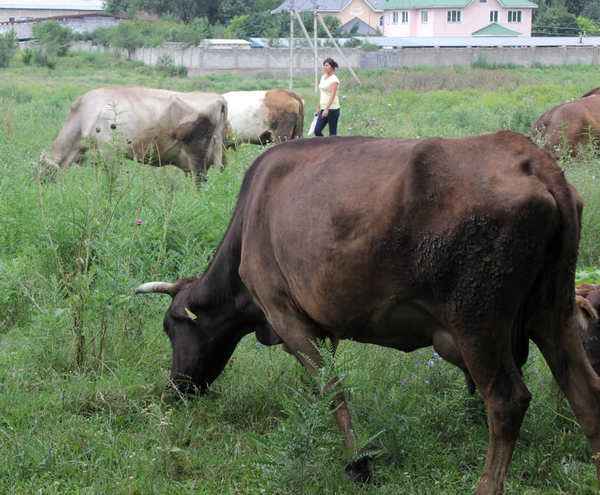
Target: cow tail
(563, 284)
(299, 127)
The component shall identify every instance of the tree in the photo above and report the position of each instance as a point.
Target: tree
(587, 26)
(8, 47)
(257, 25)
(54, 40)
(575, 7)
(127, 36)
(185, 10)
(555, 21)
(592, 11)
(334, 25)
(234, 29)
(261, 6)
(228, 9)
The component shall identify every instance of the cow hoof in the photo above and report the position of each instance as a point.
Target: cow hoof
(358, 470)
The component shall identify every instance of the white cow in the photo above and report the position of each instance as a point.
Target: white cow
(155, 126)
(259, 117)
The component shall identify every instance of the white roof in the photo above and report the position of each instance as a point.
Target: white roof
(481, 41)
(52, 4)
(216, 41)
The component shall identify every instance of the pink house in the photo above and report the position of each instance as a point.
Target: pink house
(367, 12)
(457, 18)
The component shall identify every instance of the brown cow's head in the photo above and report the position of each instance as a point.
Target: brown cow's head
(204, 327)
(200, 349)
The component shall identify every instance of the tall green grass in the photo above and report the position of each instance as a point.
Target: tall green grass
(83, 361)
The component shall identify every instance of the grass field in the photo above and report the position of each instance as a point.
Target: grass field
(84, 361)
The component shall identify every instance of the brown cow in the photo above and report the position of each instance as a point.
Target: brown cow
(260, 117)
(588, 300)
(469, 245)
(155, 126)
(570, 125)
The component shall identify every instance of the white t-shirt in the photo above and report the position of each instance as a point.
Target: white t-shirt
(325, 88)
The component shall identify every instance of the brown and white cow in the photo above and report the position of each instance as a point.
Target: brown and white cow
(260, 117)
(155, 126)
(566, 127)
(469, 245)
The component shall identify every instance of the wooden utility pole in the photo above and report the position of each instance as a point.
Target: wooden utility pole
(316, 56)
(291, 44)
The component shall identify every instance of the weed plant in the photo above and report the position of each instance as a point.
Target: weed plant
(84, 362)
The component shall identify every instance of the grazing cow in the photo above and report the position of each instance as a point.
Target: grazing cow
(569, 125)
(588, 300)
(260, 117)
(155, 126)
(466, 244)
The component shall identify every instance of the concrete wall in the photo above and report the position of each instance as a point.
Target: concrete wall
(520, 56)
(274, 62)
(76, 23)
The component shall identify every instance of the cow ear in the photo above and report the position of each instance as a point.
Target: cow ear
(585, 311)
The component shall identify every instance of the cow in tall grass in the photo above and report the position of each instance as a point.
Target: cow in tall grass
(261, 117)
(155, 126)
(567, 127)
(468, 244)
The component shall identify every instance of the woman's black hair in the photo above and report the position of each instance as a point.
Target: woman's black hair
(331, 62)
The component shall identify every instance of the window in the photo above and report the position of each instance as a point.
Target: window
(514, 15)
(11, 19)
(493, 16)
(454, 15)
(404, 17)
(394, 17)
(381, 21)
(482, 1)
(424, 16)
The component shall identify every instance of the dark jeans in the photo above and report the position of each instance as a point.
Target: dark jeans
(331, 119)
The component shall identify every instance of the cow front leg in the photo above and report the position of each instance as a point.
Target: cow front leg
(357, 470)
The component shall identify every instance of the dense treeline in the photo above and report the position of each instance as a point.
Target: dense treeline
(253, 18)
(566, 18)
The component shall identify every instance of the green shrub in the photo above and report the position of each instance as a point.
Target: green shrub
(54, 40)
(27, 55)
(8, 47)
(369, 47)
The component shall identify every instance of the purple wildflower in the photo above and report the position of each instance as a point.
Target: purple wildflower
(139, 221)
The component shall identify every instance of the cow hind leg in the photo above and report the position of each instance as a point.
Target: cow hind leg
(195, 138)
(578, 381)
(507, 399)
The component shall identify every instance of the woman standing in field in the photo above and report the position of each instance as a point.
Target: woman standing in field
(328, 109)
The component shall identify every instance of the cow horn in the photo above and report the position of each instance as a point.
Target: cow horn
(153, 287)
